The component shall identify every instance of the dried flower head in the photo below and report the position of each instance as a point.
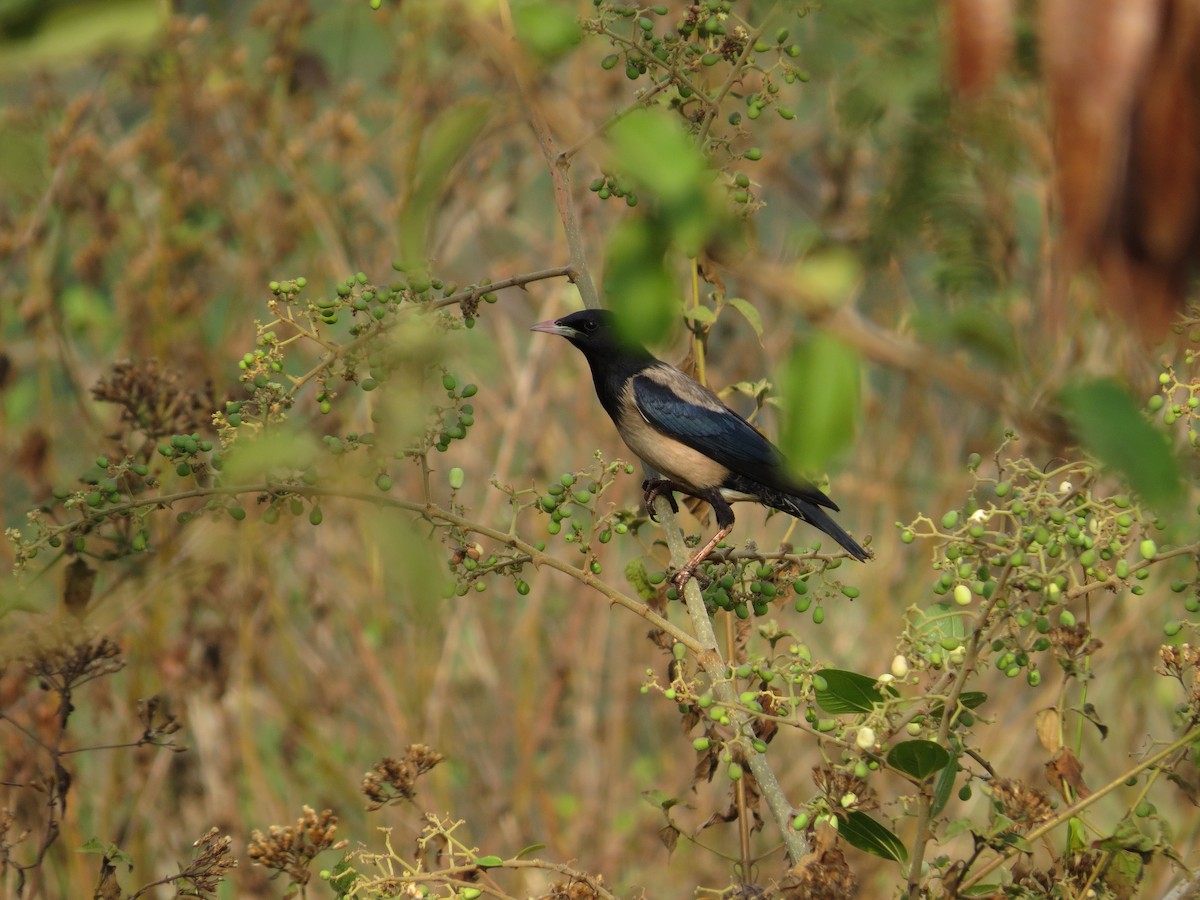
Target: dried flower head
(63, 659)
(574, 889)
(154, 400)
(823, 873)
(837, 785)
(392, 780)
(1176, 661)
(290, 849)
(1072, 642)
(214, 859)
(1025, 805)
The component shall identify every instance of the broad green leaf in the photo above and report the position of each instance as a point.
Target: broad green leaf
(942, 620)
(78, 30)
(846, 692)
(637, 284)
(944, 788)
(863, 832)
(445, 141)
(751, 313)
(972, 699)
(488, 862)
(342, 878)
(830, 276)
(549, 29)
(1110, 426)
(820, 388)
(1077, 834)
(109, 851)
(1015, 840)
(979, 328)
(920, 759)
(657, 798)
(700, 314)
(655, 154)
(967, 700)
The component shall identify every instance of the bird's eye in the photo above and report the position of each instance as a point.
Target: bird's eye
(589, 327)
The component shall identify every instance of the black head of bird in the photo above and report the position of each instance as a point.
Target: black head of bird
(683, 431)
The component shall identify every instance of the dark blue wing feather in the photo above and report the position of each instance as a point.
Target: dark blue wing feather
(716, 431)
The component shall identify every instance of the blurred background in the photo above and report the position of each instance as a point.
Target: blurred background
(979, 201)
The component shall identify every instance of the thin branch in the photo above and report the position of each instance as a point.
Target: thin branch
(429, 511)
(464, 296)
(709, 657)
(1079, 806)
(558, 164)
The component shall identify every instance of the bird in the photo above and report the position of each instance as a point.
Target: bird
(685, 433)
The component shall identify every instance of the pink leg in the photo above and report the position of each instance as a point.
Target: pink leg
(681, 577)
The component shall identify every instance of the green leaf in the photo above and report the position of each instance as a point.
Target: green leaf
(751, 313)
(847, 692)
(944, 787)
(942, 620)
(548, 29)
(445, 141)
(917, 758)
(820, 387)
(61, 31)
(972, 699)
(1110, 425)
(639, 288)
(863, 832)
(109, 851)
(342, 878)
(701, 314)
(653, 151)
(659, 799)
(966, 700)
(488, 862)
(830, 276)
(531, 849)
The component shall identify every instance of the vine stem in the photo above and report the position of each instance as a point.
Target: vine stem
(464, 296)
(558, 164)
(709, 657)
(1079, 806)
(429, 511)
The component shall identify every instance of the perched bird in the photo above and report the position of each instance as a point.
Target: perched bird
(683, 431)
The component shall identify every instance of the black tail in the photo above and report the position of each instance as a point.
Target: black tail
(818, 518)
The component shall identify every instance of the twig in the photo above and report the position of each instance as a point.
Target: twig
(429, 511)
(1079, 806)
(558, 164)
(709, 657)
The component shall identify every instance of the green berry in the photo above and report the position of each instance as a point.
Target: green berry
(315, 517)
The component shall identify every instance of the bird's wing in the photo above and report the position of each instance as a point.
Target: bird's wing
(690, 413)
